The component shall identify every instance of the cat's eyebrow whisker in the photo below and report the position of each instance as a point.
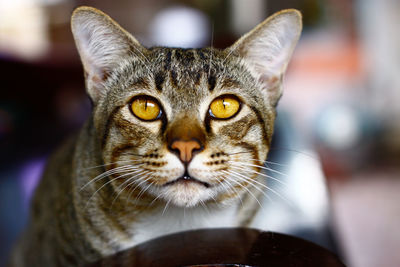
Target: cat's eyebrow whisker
(111, 172)
(145, 58)
(229, 54)
(259, 173)
(258, 166)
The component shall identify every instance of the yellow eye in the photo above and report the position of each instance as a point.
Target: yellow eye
(224, 107)
(146, 108)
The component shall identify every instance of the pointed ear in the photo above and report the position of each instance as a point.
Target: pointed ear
(102, 44)
(267, 49)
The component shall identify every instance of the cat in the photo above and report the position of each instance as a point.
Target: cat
(176, 141)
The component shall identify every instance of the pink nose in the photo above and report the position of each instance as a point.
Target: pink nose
(185, 149)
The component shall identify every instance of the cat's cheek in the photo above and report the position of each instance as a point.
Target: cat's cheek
(253, 137)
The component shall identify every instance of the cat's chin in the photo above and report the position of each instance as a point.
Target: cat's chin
(187, 193)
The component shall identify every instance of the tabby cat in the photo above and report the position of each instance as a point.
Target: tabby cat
(175, 141)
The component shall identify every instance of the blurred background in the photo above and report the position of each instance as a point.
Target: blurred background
(336, 151)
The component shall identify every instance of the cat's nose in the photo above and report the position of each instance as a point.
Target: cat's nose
(185, 136)
(186, 149)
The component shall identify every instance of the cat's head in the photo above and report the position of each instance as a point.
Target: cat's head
(186, 126)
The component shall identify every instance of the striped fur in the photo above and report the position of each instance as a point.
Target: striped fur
(119, 182)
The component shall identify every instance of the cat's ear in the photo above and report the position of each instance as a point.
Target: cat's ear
(267, 49)
(102, 44)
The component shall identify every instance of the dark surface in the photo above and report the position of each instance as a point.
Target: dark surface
(231, 246)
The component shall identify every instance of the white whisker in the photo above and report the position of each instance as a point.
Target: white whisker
(145, 189)
(108, 164)
(141, 181)
(258, 166)
(242, 186)
(128, 182)
(230, 188)
(265, 161)
(296, 151)
(141, 172)
(275, 163)
(259, 173)
(264, 186)
(250, 181)
(166, 206)
(157, 197)
(204, 206)
(118, 177)
(120, 169)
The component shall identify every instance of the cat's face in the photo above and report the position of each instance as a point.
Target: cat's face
(184, 126)
(187, 148)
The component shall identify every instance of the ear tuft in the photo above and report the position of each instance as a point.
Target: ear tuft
(102, 44)
(267, 49)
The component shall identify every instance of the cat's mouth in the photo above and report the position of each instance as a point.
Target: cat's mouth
(186, 178)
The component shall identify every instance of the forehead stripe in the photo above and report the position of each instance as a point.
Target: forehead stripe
(159, 80)
(167, 61)
(211, 82)
(174, 78)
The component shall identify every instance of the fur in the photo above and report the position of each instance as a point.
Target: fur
(119, 183)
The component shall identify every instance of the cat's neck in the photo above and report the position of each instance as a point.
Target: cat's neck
(172, 219)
